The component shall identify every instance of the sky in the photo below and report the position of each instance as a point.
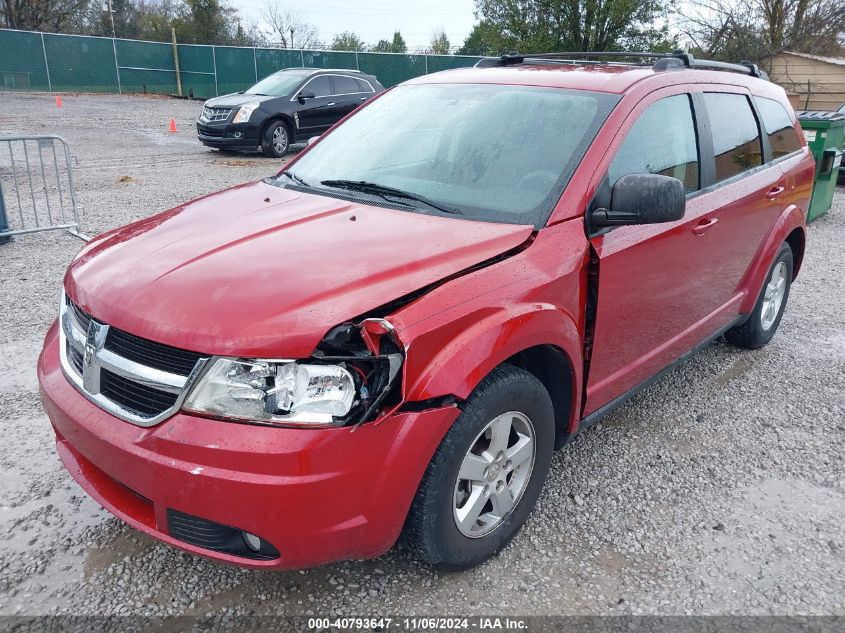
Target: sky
(373, 20)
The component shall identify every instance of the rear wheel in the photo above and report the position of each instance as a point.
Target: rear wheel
(487, 473)
(765, 318)
(276, 139)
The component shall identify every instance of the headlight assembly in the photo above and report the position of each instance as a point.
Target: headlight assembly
(326, 392)
(245, 111)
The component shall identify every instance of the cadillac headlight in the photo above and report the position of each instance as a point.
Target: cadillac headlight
(275, 392)
(245, 112)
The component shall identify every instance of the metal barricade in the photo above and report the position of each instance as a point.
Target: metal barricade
(36, 186)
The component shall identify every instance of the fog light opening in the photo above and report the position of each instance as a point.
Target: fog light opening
(252, 541)
(238, 135)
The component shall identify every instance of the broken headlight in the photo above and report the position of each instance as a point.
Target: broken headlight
(326, 392)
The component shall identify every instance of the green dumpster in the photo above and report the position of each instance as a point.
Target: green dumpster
(825, 134)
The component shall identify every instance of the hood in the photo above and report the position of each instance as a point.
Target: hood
(258, 270)
(236, 99)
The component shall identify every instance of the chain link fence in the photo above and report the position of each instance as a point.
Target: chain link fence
(77, 63)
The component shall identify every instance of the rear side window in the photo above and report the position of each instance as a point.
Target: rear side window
(662, 141)
(783, 139)
(345, 85)
(736, 139)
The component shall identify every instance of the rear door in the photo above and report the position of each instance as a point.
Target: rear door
(347, 94)
(747, 190)
(657, 296)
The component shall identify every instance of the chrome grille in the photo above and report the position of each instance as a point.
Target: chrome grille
(134, 379)
(215, 114)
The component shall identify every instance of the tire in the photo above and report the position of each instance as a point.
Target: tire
(276, 139)
(764, 320)
(431, 531)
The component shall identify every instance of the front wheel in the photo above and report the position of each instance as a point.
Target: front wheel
(764, 320)
(276, 140)
(487, 473)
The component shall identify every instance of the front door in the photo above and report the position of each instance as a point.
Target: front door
(316, 114)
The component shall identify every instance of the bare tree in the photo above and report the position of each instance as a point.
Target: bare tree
(287, 28)
(41, 15)
(752, 29)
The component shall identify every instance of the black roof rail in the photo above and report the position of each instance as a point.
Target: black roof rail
(679, 60)
(665, 61)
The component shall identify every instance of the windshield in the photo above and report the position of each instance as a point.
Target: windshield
(277, 84)
(488, 152)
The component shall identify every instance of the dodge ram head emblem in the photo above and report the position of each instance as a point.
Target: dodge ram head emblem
(95, 339)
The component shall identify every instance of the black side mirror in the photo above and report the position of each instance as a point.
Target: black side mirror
(305, 94)
(642, 199)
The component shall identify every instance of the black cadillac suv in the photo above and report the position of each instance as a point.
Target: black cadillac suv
(289, 106)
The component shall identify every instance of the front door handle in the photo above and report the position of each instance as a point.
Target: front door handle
(774, 192)
(330, 104)
(702, 226)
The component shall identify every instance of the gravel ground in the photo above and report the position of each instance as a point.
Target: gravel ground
(718, 490)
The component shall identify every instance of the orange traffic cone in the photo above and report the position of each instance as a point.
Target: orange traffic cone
(172, 127)
(58, 101)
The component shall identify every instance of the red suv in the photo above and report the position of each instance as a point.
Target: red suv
(394, 333)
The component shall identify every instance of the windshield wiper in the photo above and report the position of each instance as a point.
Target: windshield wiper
(383, 191)
(296, 179)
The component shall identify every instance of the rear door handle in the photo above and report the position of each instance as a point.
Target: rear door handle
(702, 226)
(774, 192)
(330, 104)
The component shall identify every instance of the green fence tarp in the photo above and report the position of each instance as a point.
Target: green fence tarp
(146, 67)
(22, 62)
(77, 63)
(81, 64)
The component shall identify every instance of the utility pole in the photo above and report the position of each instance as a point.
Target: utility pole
(111, 19)
(176, 61)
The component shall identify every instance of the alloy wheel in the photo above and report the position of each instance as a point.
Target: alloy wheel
(494, 474)
(280, 139)
(773, 296)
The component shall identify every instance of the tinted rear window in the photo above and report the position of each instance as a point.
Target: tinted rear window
(736, 139)
(344, 85)
(783, 139)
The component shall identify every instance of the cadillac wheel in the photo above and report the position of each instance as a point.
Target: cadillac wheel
(487, 473)
(276, 141)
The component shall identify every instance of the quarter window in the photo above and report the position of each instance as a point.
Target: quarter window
(364, 86)
(344, 85)
(736, 138)
(662, 141)
(783, 139)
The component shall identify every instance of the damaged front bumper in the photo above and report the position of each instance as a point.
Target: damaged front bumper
(314, 495)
